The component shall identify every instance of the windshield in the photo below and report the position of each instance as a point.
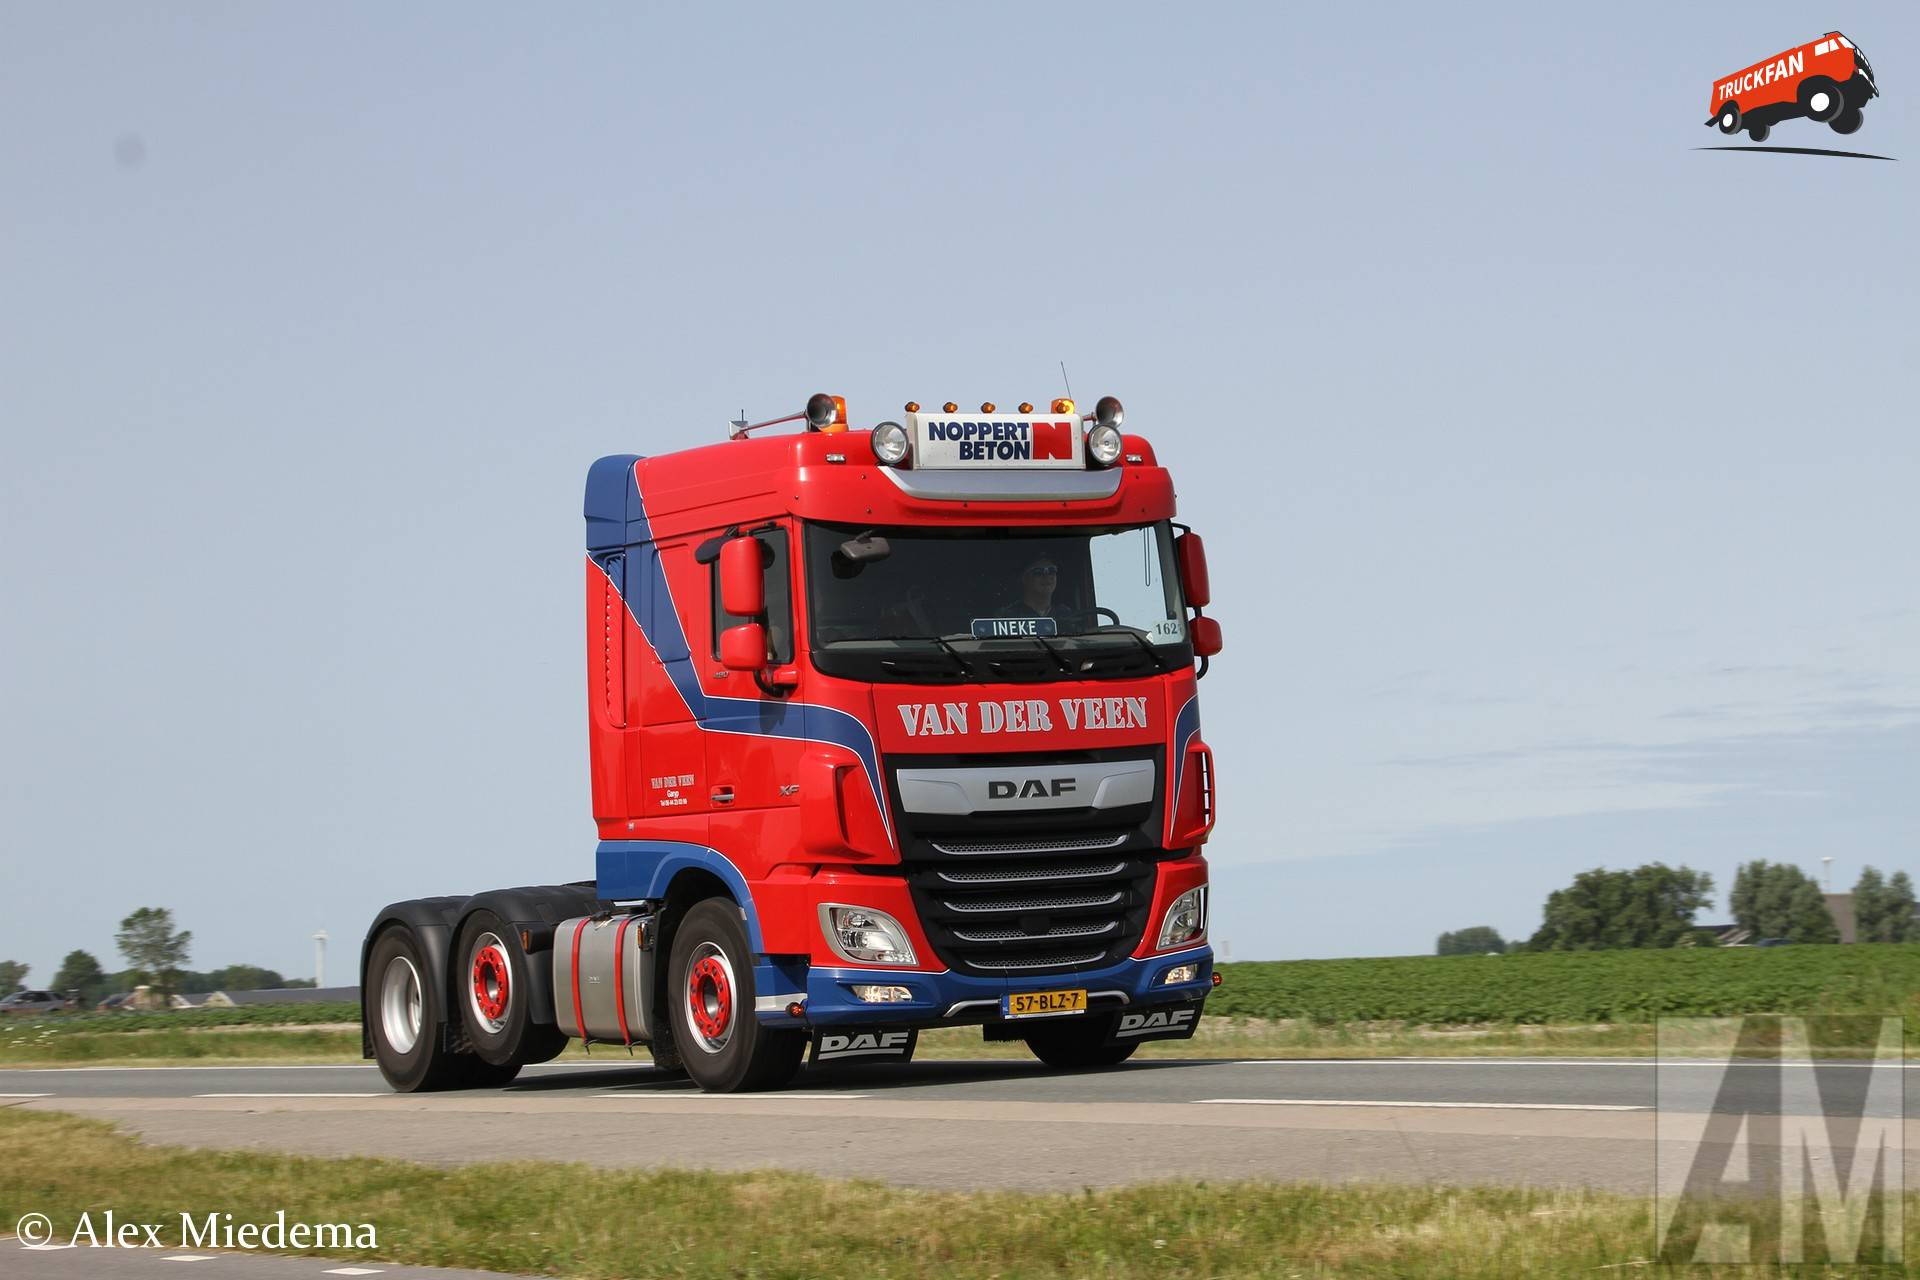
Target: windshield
(994, 604)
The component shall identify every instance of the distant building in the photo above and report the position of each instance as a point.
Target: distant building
(1840, 907)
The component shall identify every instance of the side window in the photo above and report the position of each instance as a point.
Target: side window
(779, 599)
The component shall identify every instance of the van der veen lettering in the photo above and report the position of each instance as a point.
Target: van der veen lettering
(1022, 715)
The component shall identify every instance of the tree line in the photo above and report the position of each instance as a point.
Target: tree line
(156, 954)
(1654, 906)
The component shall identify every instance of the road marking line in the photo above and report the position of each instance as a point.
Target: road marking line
(351, 1271)
(25, 1095)
(1642, 1064)
(289, 1095)
(760, 1097)
(191, 1257)
(1452, 1106)
(336, 1066)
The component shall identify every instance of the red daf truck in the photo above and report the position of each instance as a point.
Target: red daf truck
(1827, 80)
(889, 729)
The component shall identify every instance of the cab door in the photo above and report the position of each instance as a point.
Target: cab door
(753, 737)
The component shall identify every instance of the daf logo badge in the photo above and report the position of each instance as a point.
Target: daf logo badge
(1029, 789)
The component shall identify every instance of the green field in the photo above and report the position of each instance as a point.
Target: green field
(1577, 988)
(555, 1219)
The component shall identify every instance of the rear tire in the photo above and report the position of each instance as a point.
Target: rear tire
(1758, 132)
(402, 1008)
(721, 1042)
(1078, 1043)
(1730, 118)
(494, 981)
(1848, 121)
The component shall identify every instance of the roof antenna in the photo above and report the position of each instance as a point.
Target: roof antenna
(1063, 379)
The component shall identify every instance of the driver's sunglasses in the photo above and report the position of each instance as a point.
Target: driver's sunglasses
(1045, 570)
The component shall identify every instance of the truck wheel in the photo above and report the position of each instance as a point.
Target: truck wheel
(1730, 118)
(478, 1073)
(1821, 99)
(402, 1010)
(494, 982)
(1758, 132)
(1078, 1042)
(1848, 121)
(710, 994)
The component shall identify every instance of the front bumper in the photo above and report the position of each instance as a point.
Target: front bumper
(956, 999)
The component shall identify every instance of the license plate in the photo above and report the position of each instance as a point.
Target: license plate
(1043, 1004)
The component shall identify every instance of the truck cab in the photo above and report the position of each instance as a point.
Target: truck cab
(889, 729)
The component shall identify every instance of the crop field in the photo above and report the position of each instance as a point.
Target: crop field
(1577, 987)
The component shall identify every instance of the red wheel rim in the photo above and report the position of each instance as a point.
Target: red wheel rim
(710, 997)
(490, 983)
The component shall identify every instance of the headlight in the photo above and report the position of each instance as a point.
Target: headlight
(1103, 444)
(864, 936)
(890, 443)
(1186, 919)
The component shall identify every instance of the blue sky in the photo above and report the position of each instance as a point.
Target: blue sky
(1558, 477)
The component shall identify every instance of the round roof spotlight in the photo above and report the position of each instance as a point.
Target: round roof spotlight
(1103, 444)
(821, 410)
(890, 446)
(1108, 412)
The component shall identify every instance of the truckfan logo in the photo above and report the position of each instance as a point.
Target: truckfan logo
(1828, 81)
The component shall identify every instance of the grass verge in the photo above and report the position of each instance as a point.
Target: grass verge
(571, 1220)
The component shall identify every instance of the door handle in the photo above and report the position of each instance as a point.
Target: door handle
(721, 795)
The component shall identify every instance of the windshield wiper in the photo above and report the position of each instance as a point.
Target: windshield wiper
(959, 659)
(1138, 639)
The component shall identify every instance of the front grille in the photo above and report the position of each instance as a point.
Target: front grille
(1033, 914)
(1045, 844)
(1031, 871)
(1039, 962)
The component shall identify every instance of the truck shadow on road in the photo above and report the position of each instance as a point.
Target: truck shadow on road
(644, 1078)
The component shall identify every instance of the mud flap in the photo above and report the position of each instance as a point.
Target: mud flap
(864, 1044)
(1167, 1022)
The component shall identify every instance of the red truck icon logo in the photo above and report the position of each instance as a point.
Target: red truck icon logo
(1826, 80)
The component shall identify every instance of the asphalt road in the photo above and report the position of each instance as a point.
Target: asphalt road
(1003, 1123)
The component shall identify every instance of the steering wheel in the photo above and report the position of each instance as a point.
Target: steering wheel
(1108, 614)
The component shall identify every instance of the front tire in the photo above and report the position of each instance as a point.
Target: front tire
(1078, 1043)
(1730, 118)
(494, 981)
(722, 1044)
(1821, 99)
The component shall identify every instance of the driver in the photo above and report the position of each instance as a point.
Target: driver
(1038, 582)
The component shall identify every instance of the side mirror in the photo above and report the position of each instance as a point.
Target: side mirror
(1192, 556)
(1205, 634)
(743, 648)
(743, 581)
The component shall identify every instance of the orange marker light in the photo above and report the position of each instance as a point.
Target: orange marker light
(913, 406)
(950, 407)
(986, 406)
(1063, 405)
(1025, 407)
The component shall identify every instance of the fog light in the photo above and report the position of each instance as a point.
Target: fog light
(890, 443)
(1180, 973)
(871, 994)
(1103, 444)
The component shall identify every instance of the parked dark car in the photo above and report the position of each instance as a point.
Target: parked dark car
(35, 1002)
(117, 1001)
